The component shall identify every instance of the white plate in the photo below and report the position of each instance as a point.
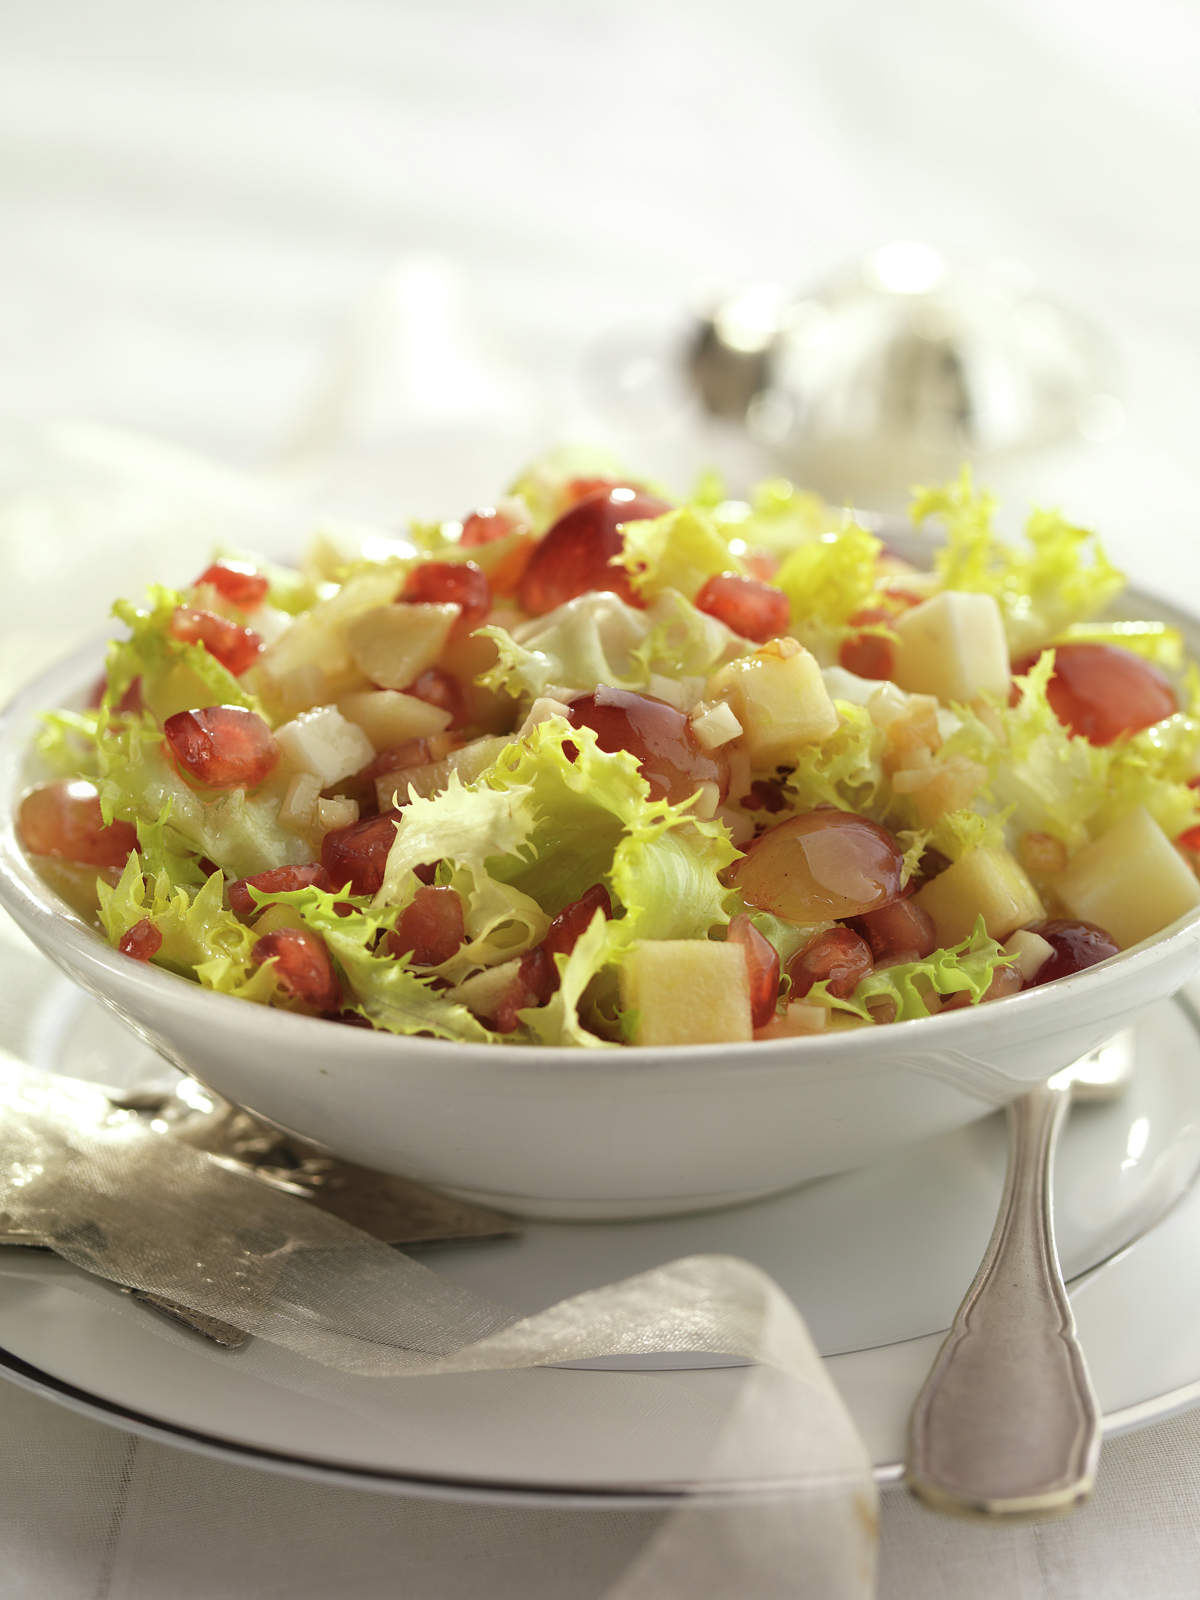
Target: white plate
(876, 1260)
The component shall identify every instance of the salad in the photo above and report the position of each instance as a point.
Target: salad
(597, 767)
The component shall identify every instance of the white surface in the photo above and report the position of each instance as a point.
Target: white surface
(191, 197)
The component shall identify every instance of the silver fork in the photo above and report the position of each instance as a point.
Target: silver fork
(1007, 1423)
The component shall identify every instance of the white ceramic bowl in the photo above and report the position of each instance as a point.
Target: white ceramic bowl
(582, 1133)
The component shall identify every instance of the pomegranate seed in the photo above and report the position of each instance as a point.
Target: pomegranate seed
(573, 921)
(670, 756)
(277, 880)
(240, 583)
(430, 929)
(357, 854)
(762, 963)
(535, 981)
(765, 794)
(1076, 945)
(823, 864)
(459, 583)
(302, 967)
(234, 647)
(1101, 692)
(870, 655)
(222, 747)
(839, 955)
(63, 819)
(574, 555)
(142, 941)
(756, 610)
(903, 931)
(487, 525)
(439, 688)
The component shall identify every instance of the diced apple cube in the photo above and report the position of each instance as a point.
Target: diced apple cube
(319, 637)
(324, 743)
(394, 644)
(952, 646)
(985, 882)
(388, 717)
(1131, 881)
(339, 812)
(1028, 952)
(687, 991)
(779, 697)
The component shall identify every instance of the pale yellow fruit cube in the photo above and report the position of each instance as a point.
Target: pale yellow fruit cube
(324, 743)
(317, 638)
(388, 717)
(687, 991)
(778, 696)
(952, 646)
(394, 644)
(1131, 881)
(985, 882)
(1028, 952)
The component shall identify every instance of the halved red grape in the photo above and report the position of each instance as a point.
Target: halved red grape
(839, 956)
(439, 688)
(574, 555)
(430, 929)
(762, 963)
(357, 854)
(903, 931)
(221, 747)
(822, 865)
(1100, 691)
(670, 756)
(236, 648)
(276, 880)
(756, 610)
(240, 583)
(142, 941)
(459, 583)
(1076, 945)
(302, 966)
(63, 819)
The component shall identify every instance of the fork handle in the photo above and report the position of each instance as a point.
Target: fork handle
(1007, 1422)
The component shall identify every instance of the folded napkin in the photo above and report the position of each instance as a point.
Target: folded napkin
(784, 1504)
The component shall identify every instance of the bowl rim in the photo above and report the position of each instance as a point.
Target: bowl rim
(34, 905)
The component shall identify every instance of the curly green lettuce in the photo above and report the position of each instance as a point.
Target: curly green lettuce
(913, 988)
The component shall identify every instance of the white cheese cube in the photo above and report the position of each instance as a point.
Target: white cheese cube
(1131, 881)
(715, 725)
(952, 646)
(324, 743)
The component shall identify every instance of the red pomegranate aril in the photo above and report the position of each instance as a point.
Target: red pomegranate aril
(819, 866)
(535, 981)
(357, 854)
(1100, 691)
(838, 956)
(573, 921)
(903, 931)
(575, 554)
(63, 819)
(302, 967)
(458, 583)
(238, 582)
(670, 756)
(438, 688)
(762, 965)
(276, 880)
(755, 610)
(1076, 945)
(142, 941)
(236, 648)
(869, 655)
(430, 929)
(485, 526)
(221, 747)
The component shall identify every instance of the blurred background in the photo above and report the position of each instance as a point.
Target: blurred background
(377, 252)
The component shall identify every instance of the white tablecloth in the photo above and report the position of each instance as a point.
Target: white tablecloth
(194, 199)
